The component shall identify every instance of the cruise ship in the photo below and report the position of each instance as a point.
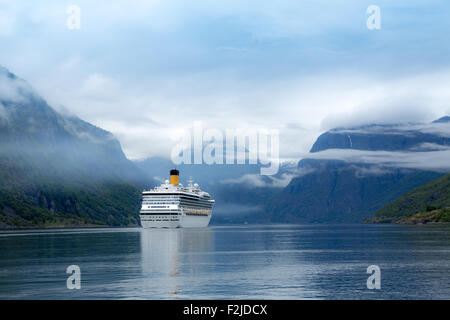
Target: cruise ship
(173, 206)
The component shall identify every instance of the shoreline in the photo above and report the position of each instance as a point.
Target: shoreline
(434, 217)
(65, 227)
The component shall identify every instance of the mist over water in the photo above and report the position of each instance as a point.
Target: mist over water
(230, 262)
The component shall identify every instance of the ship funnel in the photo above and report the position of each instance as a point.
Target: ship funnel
(174, 177)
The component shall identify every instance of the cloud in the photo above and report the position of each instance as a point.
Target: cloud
(253, 180)
(12, 89)
(281, 180)
(426, 156)
(383, 112)
(7, 24)
(399, 128)
(144, 114)
(440, 129)
(100, 137)
(411, 99)
(430, 147)
(373, 170)
(3, 112)
(431, 160)
(148, 69)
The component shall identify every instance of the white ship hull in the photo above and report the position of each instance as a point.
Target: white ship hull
(181, 221)
(173, 206)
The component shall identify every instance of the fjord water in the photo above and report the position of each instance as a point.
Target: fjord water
(228, 262)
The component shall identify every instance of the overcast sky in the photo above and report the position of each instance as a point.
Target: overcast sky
(145, 70)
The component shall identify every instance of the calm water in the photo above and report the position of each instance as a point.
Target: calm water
(261, 262)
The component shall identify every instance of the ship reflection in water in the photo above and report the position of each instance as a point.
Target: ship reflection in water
(165, 252)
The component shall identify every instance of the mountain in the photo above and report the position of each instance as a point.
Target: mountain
(329, 190)
(376, 137)
(57, 169)
(334, 190)
(432, 198)
(445, 119)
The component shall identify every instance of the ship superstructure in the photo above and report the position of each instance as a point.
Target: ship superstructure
(171, 205)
